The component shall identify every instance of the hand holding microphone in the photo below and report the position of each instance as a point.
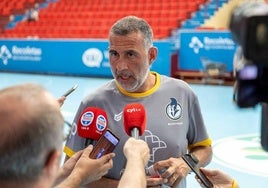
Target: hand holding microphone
(134, 121)
(134, 124)
(92, 123)
(136, 149)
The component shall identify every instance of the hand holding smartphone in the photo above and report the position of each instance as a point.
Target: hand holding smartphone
(106, 144)
(192, 163)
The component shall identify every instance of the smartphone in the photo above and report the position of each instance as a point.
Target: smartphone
(192, 163)
(106, 144)
(70, 91)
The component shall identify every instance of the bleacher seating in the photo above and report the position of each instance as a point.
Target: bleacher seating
(92, 19)
(9, 8)
(205, 12)
(219, 20)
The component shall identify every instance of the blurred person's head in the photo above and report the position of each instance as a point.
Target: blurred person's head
(31, 127)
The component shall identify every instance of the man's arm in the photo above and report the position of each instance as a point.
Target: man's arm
(137, 154)
(203, 154)
(176, 169)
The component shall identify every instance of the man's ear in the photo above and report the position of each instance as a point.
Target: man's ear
(152, 54)
(52, 163)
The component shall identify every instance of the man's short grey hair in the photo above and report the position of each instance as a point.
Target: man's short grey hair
(131, 24)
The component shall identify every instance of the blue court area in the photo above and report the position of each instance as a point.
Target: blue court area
(235, 132)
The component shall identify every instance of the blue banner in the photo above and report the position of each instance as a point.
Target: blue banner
(198, 48)
(68, 57)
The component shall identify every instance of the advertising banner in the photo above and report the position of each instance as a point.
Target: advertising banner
(199, 48)
(68, 57)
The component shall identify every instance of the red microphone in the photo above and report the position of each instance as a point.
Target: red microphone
(92, 123)
(134, 119)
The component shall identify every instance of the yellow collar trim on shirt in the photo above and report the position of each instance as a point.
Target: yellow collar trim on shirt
(144, 94)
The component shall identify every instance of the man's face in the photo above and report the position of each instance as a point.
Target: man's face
(129, 60)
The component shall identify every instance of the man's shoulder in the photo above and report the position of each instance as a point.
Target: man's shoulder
(110, 85)
(102, 91)
(173, 81)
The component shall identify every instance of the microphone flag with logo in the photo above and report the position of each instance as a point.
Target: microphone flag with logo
(92, 123)
(134, 122)
(134, 119)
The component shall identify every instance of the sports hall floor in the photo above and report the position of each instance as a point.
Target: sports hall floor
(235, 132)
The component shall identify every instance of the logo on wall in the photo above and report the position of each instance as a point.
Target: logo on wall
(196, 44)
(16, 53)
(243, 153)
(92, 57)
(5, 54)
(210, 43)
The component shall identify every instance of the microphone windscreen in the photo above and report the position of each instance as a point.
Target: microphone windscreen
(92, 123)
(134, 117)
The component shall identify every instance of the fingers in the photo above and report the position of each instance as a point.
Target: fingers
(70, 163)
(87, 150)
(107, 158)
(156, 181)
(77, 155)
(173, 179)
(209, 172)
(173, 169)
(164, 168)
(103, 160)
(108, 162)
(168, 172)
(61, 100)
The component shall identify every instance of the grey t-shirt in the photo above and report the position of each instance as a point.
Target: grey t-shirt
(174, 120)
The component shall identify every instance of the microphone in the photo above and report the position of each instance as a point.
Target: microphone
(134, 122)
(92, 123)
(134, 119)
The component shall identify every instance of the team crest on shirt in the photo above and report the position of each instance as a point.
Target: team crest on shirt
(173, 109)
